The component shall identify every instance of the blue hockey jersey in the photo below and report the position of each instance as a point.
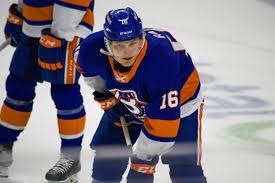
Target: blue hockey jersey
(162, 86)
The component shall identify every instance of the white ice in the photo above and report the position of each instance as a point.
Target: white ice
(232, 45)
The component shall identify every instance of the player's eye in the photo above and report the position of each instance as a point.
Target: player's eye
(132, 44)
(119, 47)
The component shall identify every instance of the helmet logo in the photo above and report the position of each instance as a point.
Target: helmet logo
(127, 32)
(124, 21)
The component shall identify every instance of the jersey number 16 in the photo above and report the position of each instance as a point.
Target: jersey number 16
(170, 99)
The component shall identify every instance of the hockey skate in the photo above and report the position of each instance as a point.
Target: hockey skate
(64, 171)
(5, 159)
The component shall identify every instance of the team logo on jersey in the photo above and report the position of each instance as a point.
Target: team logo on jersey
(133, 104)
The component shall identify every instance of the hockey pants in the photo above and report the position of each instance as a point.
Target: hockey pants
(111, 157)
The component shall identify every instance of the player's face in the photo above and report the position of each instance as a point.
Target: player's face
(126, 52)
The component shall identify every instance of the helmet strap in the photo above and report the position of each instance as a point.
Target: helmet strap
(107, 45)
(142, 41)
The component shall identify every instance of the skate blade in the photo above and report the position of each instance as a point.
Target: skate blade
(4, 172)
(71, 179)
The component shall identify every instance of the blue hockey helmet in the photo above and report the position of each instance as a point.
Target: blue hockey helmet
(122, 25)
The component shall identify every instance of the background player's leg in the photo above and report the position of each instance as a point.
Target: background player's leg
(14, 116)
(71, 122)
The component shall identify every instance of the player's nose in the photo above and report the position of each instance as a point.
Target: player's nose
(127, 51)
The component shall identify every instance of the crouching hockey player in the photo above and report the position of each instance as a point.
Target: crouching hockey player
(148, 77)
(45, 34)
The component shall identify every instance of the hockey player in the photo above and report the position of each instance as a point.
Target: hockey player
(45, 34)
(148, 77)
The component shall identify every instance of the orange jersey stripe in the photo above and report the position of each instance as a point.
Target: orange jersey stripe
(162, 128)
(13, 117)
(79, 69)
(41, 13)
(71, 127)
(89, 17)
(129, 75)
(84, 3)
(190, 86)
(70, 65)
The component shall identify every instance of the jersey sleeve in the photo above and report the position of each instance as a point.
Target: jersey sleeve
(84, 61)
(177, 84)
(72, 18)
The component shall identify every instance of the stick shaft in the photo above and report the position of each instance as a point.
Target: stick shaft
(5, 44)
(126, 134)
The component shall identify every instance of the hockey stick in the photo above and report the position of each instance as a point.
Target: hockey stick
(5, 44)
(126, 134)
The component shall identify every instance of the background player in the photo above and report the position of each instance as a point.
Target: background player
(45, 34)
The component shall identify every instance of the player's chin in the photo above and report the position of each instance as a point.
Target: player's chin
(127, 64)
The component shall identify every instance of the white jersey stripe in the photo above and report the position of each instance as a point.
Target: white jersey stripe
(11, 126)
